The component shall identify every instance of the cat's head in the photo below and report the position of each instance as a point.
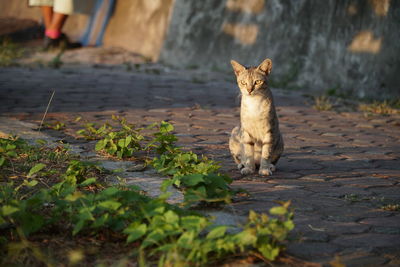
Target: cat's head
(253, 80)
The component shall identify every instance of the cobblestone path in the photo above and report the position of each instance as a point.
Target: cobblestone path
(339, 169)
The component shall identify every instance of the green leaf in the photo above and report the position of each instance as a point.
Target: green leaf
(128, 140)
(36, 169)
(268, 251)
(252, 216)
(171, 217)
(193, 222)
(88, 181)
(289, 225)
(246, 237)
(217, 232)
(8, 210)
(135, 232)
(99, 222)
(2, 160)
(110, 204)
(31, 183)
(74, 196)
(31, 222)
(153, 238)
(278, 210)
(166, 127)
(121, 142)
(110, 191)
(193, 179)
(186, 239)
(100, 145)
(78, 227)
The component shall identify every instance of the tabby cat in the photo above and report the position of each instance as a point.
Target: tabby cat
(257, 141)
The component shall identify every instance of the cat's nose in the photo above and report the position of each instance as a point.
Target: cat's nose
(249, 90)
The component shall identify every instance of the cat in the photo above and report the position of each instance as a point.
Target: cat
(257, 141)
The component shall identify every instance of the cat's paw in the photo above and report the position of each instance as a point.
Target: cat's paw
(267, 171)
(240, 166)
(246, 171)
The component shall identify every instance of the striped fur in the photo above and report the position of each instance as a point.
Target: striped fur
(257, 142)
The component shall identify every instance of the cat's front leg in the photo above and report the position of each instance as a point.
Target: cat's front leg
(266, 167)
(248, 155)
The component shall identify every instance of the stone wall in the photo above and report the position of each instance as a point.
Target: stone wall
(352, 47)
(139, 26)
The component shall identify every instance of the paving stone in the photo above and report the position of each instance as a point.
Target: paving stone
(363, 260)
(312, 250)
(339, 228)
(368, 239)
(392, 221)
(327, 157)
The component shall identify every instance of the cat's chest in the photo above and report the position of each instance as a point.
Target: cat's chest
(255, 108)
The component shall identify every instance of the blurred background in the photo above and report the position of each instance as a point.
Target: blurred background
(348, 48)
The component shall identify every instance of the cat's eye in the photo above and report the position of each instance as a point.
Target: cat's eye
(243, 82)
(258, 82)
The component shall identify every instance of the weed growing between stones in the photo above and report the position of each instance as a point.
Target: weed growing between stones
(56, 62)
(48, 194)
(57, 126)
(322, 103)
(391, 207)
(9, 52)
(381, 108)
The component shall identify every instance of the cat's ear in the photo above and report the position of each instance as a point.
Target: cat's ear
(266, 66)
(237, 67)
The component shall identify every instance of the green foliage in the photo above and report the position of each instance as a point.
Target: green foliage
(9, 52)
(322, 103)
(199, 188)
(58, 126)
(193, 174)
(79, 171)
(56, 62)
(174, 236)
(38, 167)
(184, 167)
(92, 132)
(121, 143)
(8, 149)
(164, 140)
(178, 164)
(171, 235)
(391, 207)
(381, 108)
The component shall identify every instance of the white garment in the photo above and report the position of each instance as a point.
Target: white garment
(67, 7)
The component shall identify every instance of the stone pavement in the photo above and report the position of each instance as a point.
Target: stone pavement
(338, 169)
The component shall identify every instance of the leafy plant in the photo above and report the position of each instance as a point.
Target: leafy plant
(9, 52)
(165, 233)
(194, 174)
(92, 132)
(122, 143)
(382, 108)
(56, 62)
(79, 171)
(58, 126)
(322, 103)
(391, 207)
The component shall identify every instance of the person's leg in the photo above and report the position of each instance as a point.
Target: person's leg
(47, 13)
(53, 31)
(58, 21)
